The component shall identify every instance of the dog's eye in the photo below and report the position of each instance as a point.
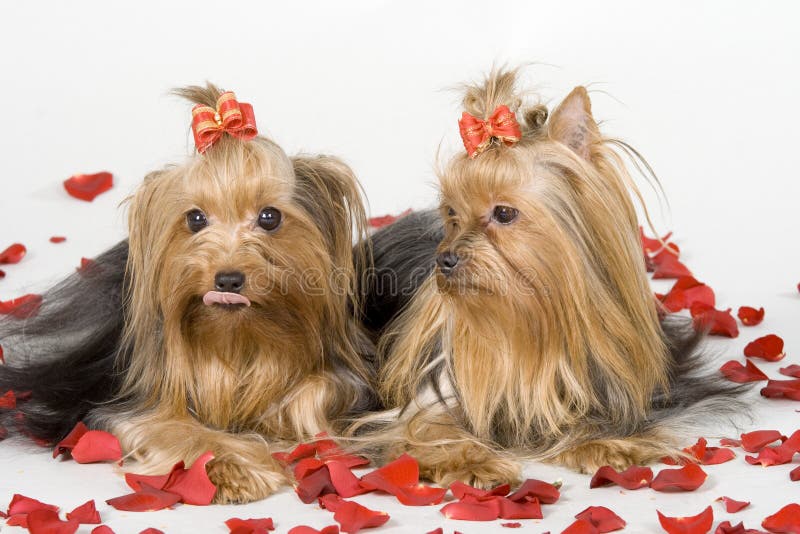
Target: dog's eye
(269, 219)
(196, 220)
(505, 214)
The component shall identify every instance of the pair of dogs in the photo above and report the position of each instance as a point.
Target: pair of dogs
(514, 322)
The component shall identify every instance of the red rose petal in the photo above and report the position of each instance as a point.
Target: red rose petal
(102, 529)
(147, 499)
(633, 478)
(97, 446)
(471, 509)
(698, 524)
(732, 506)
(769, 347)
(68, 443)
(151, 531)
(385, 220)
(85, 514)
(546, 493)
(436, 531)
(154, 481)
(47, 522)
(758, 439)
(687, 478)
(88, 186)
(794, 474)
(315, 485)
(261, 524)
(306, 466)
(193, 484)
(331, 502)
(787, 389)
(686, 292)
(791, 370)
(13, 254)
(726, 528)
(302, 529)
(652, 246)
(750, 316)
(787, 519)
(8, 401)
(2, 273)
(728, 442)
(714, 322)
(603, 519)
(352, 517)
(401, 479)
(459, 490)
(21, 504)
(22, 307)
(57, 239)
(524, 509)
(581, 526)
(344, 481)
(511, 525)
(736, 372)
(668, 265)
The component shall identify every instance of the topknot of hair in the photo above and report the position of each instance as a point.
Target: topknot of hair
(197, 94)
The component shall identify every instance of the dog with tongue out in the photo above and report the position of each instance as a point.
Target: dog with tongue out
(237, 335)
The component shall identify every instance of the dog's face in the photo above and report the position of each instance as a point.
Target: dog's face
(226, 248)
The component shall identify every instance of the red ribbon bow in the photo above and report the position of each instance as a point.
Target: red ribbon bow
(231, 117)
(477, 134)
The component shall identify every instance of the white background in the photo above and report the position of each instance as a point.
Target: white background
(707, 91)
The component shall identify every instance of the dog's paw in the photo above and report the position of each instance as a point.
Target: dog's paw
(241, 482)
(472, 464)
(619, 454)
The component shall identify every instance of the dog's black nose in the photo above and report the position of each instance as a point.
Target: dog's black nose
(447, 262)
(229, 281)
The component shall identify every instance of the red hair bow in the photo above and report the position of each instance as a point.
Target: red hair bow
(477, 134)
(231, 117)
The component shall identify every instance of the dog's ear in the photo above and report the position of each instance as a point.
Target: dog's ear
(572, 124)
(329, 191)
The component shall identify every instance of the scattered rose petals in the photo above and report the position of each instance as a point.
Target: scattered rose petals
(705, 455)
(788, 389)
(758, 439)
(791, 370)
(732, 506)
(545, 492)
(787, 519)
(136, 481)
(736, 372)
(8, 401)
(88, 186)
(96, 446)
(794, 474)
(687, 478)
(152, 531)
(726, 528)
(769, 347)
(13, 254)
(47, 522)
(254, 525)
(750, 316)
(20, 506)
(713, 321)
(192, 485)
(698, 524)
(147, 499)
(603, 519)
(22, 307)
(460, 490)
(401, 479)
(471, 509)
(581, 526)
(102, 529)
(782, 454)
(302, 529)
(633, 478)
(315, 485)
(352, 517)
(344, 481)
(385, 220)
(511, 525)
(68, 443)
(57, 239)
(528, 508)
(85, 514)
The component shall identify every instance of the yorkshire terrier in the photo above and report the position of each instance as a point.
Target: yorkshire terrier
(225, 323)
(518, 322)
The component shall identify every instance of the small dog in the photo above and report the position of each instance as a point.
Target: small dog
(225, 323)
(520, 322)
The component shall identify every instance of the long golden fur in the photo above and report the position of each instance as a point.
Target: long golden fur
(544, 341)
(236, 381)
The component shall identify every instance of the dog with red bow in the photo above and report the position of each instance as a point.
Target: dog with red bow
(223, 324)
(520, 322)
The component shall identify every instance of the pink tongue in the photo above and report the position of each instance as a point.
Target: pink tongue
(218, 297)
